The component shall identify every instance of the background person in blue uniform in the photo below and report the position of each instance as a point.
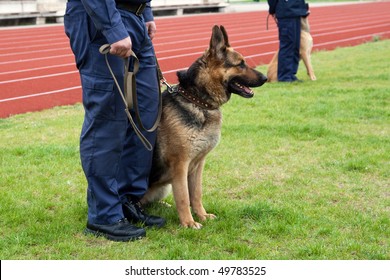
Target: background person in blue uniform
(114, 160)
(288, 15)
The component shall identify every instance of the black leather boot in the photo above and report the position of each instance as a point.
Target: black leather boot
(135, 213)
(119, 231)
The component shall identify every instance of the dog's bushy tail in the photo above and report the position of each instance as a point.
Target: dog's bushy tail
(156, 193)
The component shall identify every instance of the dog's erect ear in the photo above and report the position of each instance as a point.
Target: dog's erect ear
(218, 42)
(225, 36)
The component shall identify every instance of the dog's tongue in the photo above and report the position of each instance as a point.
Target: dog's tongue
(246, 89)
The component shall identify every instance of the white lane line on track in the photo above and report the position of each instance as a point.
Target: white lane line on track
(35, 59)
(37, 51)
(38, 77)
(31, 41)
(19, 39)
(38, 68)
(30, 45)
(39, 94)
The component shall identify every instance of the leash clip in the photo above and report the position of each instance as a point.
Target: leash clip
(165, 82)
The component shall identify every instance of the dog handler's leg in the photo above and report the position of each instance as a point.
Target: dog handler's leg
(181, 195)
(195, 189)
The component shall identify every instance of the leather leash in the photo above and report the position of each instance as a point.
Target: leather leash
(275, 19)
(129, 96)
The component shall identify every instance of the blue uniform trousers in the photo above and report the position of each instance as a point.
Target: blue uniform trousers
(114, 160)
(289, 40)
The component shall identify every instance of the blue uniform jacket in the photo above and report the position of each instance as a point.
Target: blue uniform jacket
(288, 8)
(106, 17)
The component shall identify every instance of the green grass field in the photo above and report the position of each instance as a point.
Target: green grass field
(302, 172)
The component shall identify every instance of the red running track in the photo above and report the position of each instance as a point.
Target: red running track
(37, 69)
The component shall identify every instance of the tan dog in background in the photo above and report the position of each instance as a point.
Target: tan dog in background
(306, 46)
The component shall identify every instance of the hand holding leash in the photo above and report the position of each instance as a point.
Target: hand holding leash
(122, 48)
(105, 49)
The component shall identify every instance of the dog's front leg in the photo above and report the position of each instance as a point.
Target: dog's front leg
(306, 57)
(195, 188)
(272, 73)
(181, 195)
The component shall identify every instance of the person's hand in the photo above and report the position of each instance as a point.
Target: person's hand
(151, 27)
(121, 48)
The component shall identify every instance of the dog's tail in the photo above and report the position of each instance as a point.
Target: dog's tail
(156, 193)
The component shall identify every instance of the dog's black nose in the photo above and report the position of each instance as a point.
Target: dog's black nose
(263, 79)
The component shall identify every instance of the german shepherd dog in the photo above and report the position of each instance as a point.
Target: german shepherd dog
(191, 122)
(306, 45)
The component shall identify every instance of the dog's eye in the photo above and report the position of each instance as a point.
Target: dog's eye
(242, 64)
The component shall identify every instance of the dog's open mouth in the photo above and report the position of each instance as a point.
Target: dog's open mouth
(240, 89)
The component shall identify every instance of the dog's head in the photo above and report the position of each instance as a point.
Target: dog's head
(222, 71)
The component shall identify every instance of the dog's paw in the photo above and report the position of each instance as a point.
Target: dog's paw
(165, 204)
(196, 225)
(192, 224)
(207, 217)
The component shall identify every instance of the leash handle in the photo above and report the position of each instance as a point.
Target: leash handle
(105, 49)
